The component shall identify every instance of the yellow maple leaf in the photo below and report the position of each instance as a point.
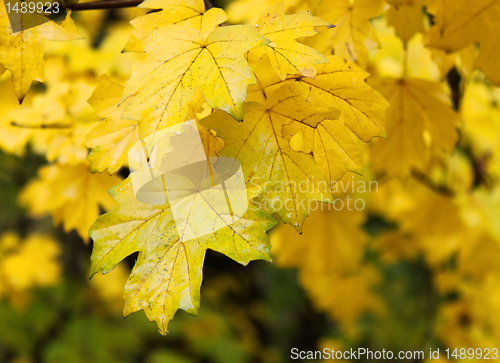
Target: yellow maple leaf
(21, 53)
(460, 23)
(332, 145)
(177, 61)
(420, 123)
(292, 178)
(353, 34)
(71, 194)
(112, 139)
(340, 84)
(168, 272)
(287, 56)
(189, 13)
(420, 106)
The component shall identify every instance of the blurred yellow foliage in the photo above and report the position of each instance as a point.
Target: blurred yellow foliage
(71, 194)
(459, 23)
(331, 269)
(435, 208)
(109, 287)
(25, 264)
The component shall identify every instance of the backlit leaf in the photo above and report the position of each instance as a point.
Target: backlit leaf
(341, 84)
(189, 13)
(179, 60)
(287, 56)
(168, 272)
(293, 177)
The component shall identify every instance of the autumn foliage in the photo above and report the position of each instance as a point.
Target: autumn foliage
(368, 137)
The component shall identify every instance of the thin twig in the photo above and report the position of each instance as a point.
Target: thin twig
(40, 126)
(114, 4)
(111, 4)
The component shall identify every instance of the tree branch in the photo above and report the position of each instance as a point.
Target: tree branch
(111, 4)
(114, 4)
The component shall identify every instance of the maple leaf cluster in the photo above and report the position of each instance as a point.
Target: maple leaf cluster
(306, 93)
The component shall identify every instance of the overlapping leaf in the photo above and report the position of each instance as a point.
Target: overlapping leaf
(340, 84)
(111, 140)
(287, 56)
(332, 145)
(293, 178)
(179, 60)
(189, 13)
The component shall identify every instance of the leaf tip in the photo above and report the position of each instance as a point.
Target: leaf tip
(92, 272)
(162, 332)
